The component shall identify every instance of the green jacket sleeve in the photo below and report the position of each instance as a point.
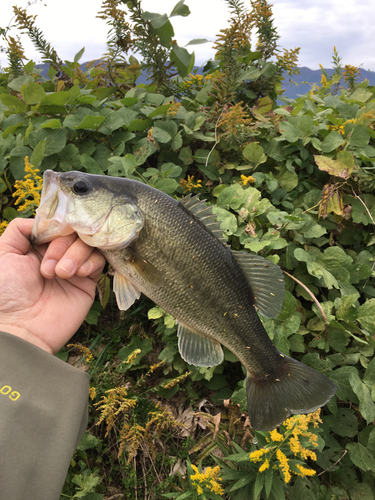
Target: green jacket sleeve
(43, 414)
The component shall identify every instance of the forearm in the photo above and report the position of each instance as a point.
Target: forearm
(43, 413)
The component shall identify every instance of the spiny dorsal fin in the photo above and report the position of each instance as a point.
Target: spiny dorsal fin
(203, 214)
(265, 277)
(266, 281)
(198, 350)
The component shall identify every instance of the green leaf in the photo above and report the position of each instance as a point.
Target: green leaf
(55, 140)
(334, 167)
(258, 485)
(16, 83)
(79, 54)
(139, 125)
(90, 122)
(54, 123)
(341, 378)
(361, 457)
(254, 154)
(182, 59)
(358, 136)
(123, 166)
(366, 315)
(87, 442)
(344, 422)
(366, 404)
(180, 9)
(33, 93)
(56, 99)
(198, 41)
(38, 153)
(332, 141)
(14, 104)
(361, 491)
(161, 135)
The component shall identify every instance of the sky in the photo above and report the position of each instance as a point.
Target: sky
(314, 25)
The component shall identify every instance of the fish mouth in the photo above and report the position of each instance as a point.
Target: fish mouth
(49, 222)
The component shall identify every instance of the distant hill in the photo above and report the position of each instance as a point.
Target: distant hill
(300, 85)
(308, 77)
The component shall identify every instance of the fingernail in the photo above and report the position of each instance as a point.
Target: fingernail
(68, 266)
(48, 267)
(85, 268)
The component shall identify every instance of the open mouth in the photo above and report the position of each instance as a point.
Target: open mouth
(49, 220)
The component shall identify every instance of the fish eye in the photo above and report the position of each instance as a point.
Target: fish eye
(80, 187)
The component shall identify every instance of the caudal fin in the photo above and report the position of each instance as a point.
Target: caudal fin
(298, 389)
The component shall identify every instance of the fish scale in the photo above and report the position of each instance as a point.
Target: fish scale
(174, 252)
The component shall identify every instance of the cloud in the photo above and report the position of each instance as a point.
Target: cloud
(315, 26)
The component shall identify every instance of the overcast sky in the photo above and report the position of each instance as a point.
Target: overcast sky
(314, 25)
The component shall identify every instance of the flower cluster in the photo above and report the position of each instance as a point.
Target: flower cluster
(245, 179)
(86, 353)
(28, 189)
(285, 443)
(209, 479)
(188, 185)
(196, 81)
(173, 110)
(234, 119)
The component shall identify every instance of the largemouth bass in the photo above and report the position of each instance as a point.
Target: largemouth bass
(175, 253)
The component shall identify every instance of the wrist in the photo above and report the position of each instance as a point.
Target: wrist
(27, 336)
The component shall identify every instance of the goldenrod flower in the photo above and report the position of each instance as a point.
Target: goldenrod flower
(265, 465)
(304, 471)
(276, 436)
(28, 189)
(3, 226)
(284, 465)
(92, 392)
(208, 479)
(188, 185)
(245, 179)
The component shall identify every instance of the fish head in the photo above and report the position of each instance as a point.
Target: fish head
(92, 206)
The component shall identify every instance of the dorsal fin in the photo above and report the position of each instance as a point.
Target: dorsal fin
(203, 214)
(266, 282)
(265, 278)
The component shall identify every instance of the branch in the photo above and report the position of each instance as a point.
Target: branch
(314, 299)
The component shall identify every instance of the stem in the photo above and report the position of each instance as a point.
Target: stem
(314, 299)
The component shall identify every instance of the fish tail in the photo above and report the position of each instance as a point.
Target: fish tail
(293, 389)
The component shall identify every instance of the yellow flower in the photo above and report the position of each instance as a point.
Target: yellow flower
(208, 479)
(255, 456)
(188, 184)
(306, 472)
(3, 226)
(264, 466)
(276, 436)
(92, 392)
(245, 179)
(284, 465)
(28, 189)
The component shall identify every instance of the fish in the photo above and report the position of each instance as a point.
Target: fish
(174, 252)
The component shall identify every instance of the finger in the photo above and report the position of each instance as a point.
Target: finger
(15, 238)
(65, 256)
(92, 267)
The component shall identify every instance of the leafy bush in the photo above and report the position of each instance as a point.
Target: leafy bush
(292, 182)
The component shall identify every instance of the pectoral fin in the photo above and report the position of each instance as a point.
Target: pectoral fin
(126, 293)
(198, 350)
(142, 267)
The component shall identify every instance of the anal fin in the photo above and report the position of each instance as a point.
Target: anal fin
(197, 349)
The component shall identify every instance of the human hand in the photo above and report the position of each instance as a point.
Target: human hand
(45, 294)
